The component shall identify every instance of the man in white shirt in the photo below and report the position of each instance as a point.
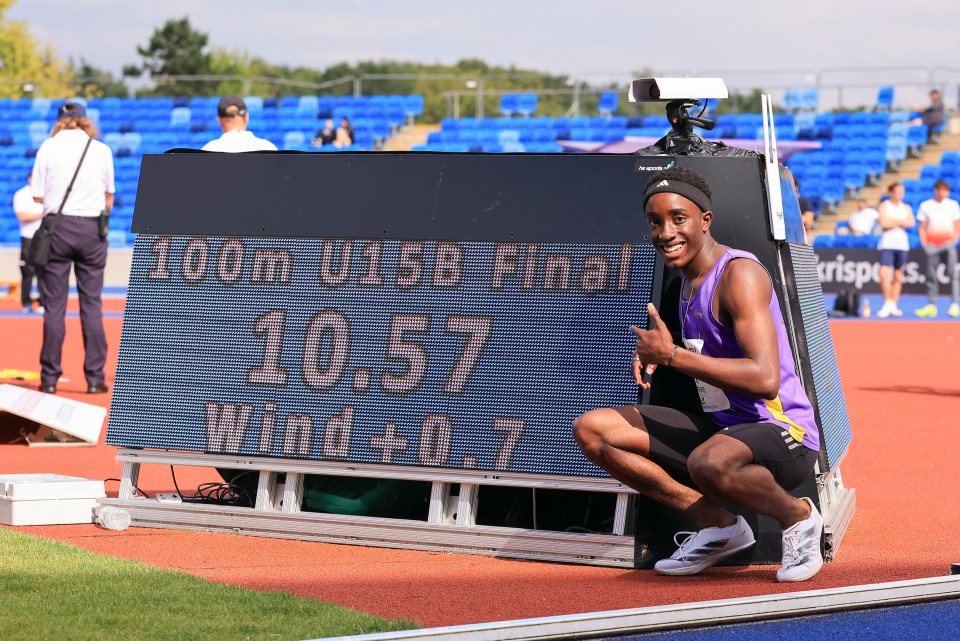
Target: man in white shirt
(30, 214)
(939, 228)
(79, 240)
(862, 221)
(233, 117)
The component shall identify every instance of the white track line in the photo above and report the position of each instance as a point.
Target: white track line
(688, 615)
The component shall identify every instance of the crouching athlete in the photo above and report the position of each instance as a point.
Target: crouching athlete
(756, 438)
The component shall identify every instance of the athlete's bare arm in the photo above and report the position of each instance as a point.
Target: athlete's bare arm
(742, 302)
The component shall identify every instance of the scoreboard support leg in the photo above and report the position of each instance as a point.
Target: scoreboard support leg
(439, 503)
(626, 505)
(128, 480)
(467, 505)
(266, 491)
(292, 493)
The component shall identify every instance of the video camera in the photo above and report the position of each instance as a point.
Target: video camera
(679, 92)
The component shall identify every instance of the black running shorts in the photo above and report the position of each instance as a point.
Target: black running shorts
(675, 434)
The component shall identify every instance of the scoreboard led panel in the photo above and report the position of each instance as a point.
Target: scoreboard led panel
(430, 353)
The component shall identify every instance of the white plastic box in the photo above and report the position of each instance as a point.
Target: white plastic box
(48, 499)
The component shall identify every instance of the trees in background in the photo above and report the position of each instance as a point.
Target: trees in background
(26, 67)
(90, 81)
(175, 49)
(178, 61)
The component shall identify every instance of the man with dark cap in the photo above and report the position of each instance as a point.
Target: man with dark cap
(755, 436)
(73, 175)
(233, 117)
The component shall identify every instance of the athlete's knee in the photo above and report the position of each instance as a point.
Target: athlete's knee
(588, 432)
(708, 467)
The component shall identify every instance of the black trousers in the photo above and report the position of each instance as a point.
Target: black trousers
(76, 242)
(27, 274)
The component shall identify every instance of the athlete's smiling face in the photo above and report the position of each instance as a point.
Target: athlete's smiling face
(678, 228)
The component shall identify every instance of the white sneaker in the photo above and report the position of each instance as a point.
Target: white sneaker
(884, 311)
(896, 311)
(700, 550)
(801, 548)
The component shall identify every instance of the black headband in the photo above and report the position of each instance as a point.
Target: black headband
(677, 187)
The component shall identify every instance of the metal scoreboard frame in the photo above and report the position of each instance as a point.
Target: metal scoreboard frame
(427, 317)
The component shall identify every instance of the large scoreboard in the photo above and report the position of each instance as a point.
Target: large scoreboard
(430, 316)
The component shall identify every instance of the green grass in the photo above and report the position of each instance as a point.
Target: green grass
(51, 590)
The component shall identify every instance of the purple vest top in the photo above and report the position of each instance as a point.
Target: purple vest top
(791, 408)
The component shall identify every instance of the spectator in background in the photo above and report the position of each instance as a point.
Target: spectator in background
(233, 117)
(326, 135)
(863, 221)
(932, 115)
(344, 134)
(30, 215)
(896, 217)
(938, 222)
(79, 240)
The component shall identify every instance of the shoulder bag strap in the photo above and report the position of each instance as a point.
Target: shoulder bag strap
(56, 217)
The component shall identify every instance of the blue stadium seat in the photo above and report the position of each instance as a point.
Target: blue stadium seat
(39, 107)
(308, 105)
(294, 140)
(899, 117)
(865, 242)
(254, 105)
(803, 122)
(885, 98)
(842, 118)
(325, 106)
(810, 99)
(832, 192)
(505, 136)
(527, 104)
(114, 140)
(180, 116)
(792, 99)
(854, 177)
(508, 104)
(413, 106)
(916, 139)
(117, 238)
(607, 103)
(39, 131)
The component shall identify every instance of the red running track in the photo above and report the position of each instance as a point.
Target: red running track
(902, 384)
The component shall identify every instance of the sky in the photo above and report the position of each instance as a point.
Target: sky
(769, 45)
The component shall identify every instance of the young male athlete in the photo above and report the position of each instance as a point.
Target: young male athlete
(754, 438)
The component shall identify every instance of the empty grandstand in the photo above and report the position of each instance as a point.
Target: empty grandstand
(855, 150)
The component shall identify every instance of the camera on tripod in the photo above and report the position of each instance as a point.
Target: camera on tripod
(678, 94)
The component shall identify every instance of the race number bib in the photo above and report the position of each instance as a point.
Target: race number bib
(711, 398)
